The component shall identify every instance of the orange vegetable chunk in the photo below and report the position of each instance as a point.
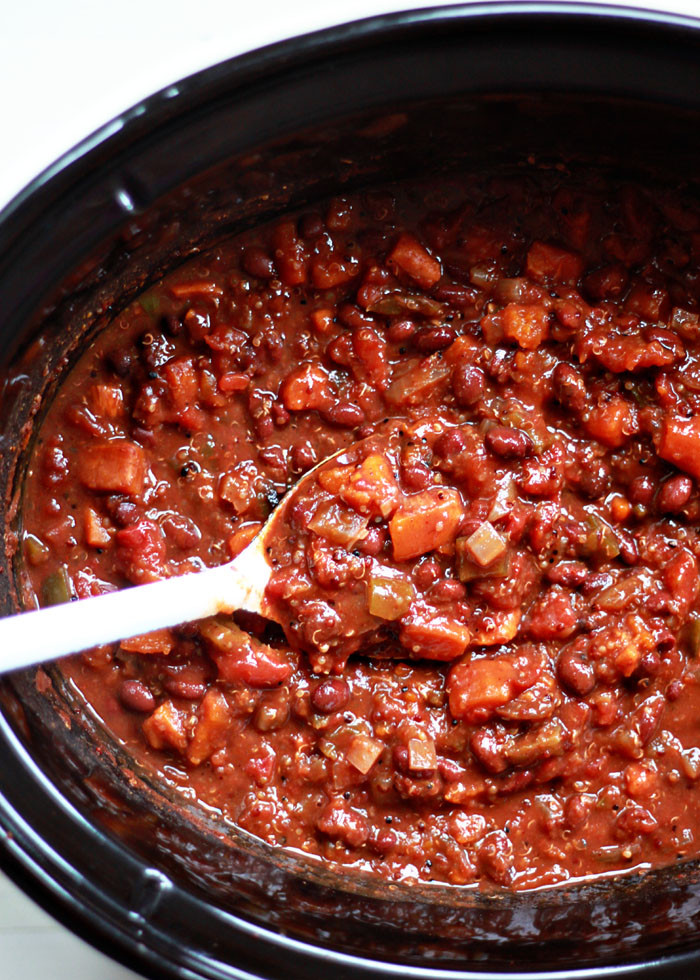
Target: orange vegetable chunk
(476, 687)
(526, 325)
(372, 488)
(306, 388)
(413, 259)
(113, 467)
(165, 728)
(157, 642)
(213, 724)
(549, 263)
(425, 632)
(680, 443)
(425, 521)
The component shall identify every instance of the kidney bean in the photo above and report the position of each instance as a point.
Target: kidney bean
(181, 687)
(311, 225)
(574, 671)
(135, 696)
(468, 384)
(674, 494)
(435, 338)
(303, 457)
(508, 443)
(451, 443)
(330, 696)
(641, 490)
(401, 331)
(257, 262)
(594, 478)
(569, 388)
(373, 543)
(448, 590)
(568, 573)
(346, 414)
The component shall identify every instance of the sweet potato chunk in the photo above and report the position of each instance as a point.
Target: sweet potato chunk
(433, 635)
(165, 728)
(307, 388)
(113, 467)
(372, 488)
(547, 263)
(157, 642)
(680, 443)
(213, 723)
(477, 687)
(526, 325)
(413, 259)
(425, 521)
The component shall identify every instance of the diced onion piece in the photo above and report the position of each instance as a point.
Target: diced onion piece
(467, 569)
(389, 598)
(503, 501)
(485, 545)
(157, 642)
(363, 753)
(337, 524)
(422, 756)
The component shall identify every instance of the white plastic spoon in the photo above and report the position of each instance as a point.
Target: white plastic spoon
(55, 631)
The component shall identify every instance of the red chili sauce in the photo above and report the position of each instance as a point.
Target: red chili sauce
(491, 673)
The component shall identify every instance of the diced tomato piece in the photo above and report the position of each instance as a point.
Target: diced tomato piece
(527, 325)
(477, 687)
(113, 467)
(680, 443)
(372, 488)
(141, 552)
(307, 388)
(213, 725)
(552, 616)
(612, 422)
(158, 642)
(413, 259)
(425, 521)
(548, 263)
(241, 659)
(165, 728)
(434, 635)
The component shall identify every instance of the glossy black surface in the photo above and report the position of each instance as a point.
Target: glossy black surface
(168, 890)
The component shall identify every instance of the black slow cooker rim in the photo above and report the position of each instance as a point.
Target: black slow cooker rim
(27, 857)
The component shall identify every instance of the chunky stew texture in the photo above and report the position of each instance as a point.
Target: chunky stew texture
(489, 667)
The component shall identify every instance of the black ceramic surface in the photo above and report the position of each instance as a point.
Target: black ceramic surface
(111, 854)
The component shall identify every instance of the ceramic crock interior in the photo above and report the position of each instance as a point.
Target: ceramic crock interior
(180, 873)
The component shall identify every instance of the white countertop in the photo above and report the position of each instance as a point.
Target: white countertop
(65, 69)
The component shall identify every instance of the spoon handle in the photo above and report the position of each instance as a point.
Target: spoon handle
(46, 634)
